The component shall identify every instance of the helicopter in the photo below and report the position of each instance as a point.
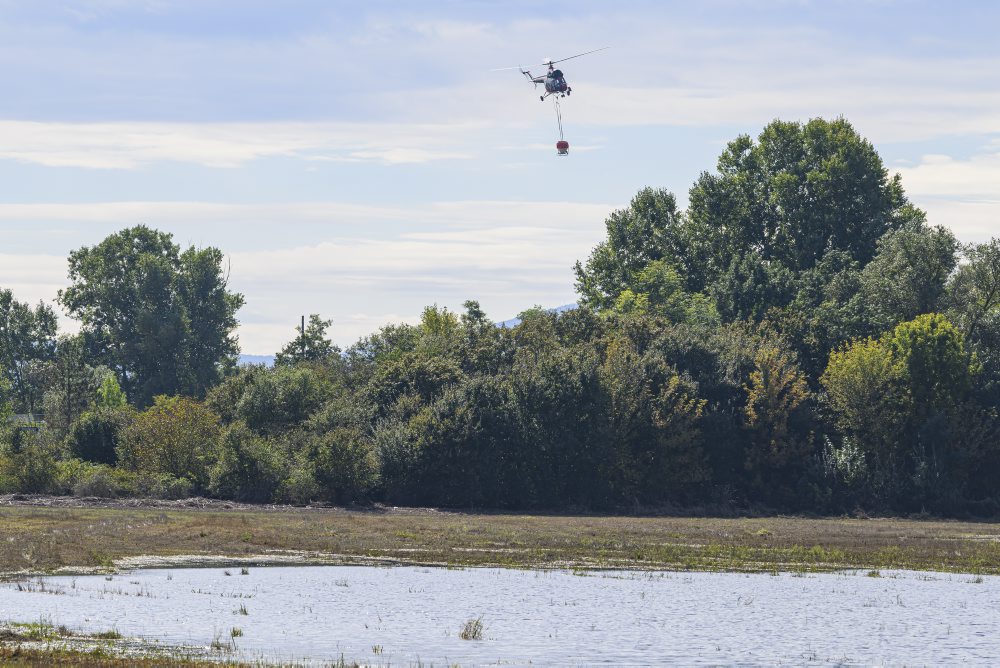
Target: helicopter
(556, 86)
(553, 80)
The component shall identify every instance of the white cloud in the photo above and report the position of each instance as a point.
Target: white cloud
(970, 220)
(128, 145)
(509, 255)
(472, 213)
(942, 175)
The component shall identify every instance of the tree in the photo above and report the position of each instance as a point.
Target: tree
(908, 274)
(176, 436)
(6, 407)
(973, 300)
(249, 468)
(95, 436)
(27, 341)
(71, 384)
(109, 394)
(797, 192)
(162, 320)
(937, 371)
(866, 392)
(649, 229)
(660, 290)
(270, 401)
(311, 345)
(975, 289)
(902, 400)
(778, 417)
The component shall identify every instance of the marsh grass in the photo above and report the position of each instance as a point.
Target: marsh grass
(472, 629)
(87, 537)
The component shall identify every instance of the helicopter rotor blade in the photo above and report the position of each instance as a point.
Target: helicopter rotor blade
(502, 69)
(553, 62)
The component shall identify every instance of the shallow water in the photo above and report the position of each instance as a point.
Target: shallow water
(402, 615)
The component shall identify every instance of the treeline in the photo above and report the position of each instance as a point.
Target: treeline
(800, 338)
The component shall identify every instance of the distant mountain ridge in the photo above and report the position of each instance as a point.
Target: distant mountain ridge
(514, 322)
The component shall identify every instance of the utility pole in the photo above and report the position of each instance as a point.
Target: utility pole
(303, 338)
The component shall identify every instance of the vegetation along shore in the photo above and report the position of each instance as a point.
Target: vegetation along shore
(800, 338)
(49, 539)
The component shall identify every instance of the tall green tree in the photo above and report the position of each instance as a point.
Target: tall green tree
(71, 384)
(27, 341)
(161, 319)
(797, 192)
(649, 229)
(909, 273)
(310, 345)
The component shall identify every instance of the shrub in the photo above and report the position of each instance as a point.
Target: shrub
(31, 467)
(300, 487)
(94, 436)
(249, 467)
(176, 437)
(345, 465)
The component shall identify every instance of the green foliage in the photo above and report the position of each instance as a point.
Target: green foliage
(661, 291)
(110, 394)
(779, 419)
(344, 465)
(797, 192)
(311, 344)
(908, 274)
(160, 318)
(29, 464)
(6, 405)
(72, 385)
(937, 371)
(249, 468)
(788, 341)
(27, 340)
(901, 400)
(176, 437)
(270, 401)
(649, 229)
(95, 436)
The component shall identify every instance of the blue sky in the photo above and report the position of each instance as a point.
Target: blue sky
(360, 160)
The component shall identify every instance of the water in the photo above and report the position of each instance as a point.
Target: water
(402, 615)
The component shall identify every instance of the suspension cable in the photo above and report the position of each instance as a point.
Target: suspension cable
(555, 100)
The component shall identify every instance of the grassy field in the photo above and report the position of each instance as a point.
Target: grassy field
(39, 539)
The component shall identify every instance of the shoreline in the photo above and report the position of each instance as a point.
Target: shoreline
(50, 535)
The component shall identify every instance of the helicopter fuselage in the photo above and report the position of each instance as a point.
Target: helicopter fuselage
(554, 82)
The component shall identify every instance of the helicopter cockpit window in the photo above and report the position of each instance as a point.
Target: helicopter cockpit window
(557, 74)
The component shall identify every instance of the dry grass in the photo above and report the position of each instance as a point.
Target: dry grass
(42, 539)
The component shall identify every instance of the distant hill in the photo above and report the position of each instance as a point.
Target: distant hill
(247, 360)
(514, 322)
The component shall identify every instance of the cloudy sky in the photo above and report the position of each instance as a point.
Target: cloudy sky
(360, 160)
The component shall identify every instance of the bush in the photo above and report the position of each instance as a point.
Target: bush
(249, 468)
(300, 487)
(94, 436)
(345, 465)
(81, 478)
(176, 438)
(31, 467)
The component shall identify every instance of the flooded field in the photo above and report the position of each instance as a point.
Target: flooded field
(405, 615)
